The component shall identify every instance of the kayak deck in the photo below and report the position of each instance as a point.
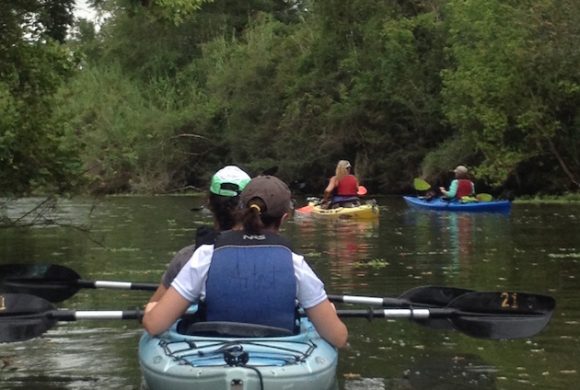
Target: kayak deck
(445, 205)
(176, 361)
(369, 210)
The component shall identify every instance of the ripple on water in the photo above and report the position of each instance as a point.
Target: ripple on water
(365, 384)
(69, 357)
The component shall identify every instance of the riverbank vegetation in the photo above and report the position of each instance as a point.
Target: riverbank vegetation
(165, 92)
(545, 199)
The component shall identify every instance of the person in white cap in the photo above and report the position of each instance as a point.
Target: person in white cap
(224, 196)
(461, 186)
(251, 275)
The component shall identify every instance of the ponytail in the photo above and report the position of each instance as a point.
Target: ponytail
(250, 217)
(254, 220)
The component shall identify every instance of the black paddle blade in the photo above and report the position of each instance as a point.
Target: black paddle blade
(501, 315)
(50, 281)
(23, 317)
(433, 295)
(430, 296)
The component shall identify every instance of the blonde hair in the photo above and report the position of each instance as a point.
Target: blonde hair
(342, 169)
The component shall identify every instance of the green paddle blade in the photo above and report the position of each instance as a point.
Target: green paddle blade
(501, 315)
(23, 317)
(483, 197)
(50, 281)
(420, 184)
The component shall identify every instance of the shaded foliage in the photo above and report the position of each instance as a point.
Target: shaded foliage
(169, 90)
(506, 95)
(33, 65)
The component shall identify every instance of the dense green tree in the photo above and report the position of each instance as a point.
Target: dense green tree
(136, 102)
(365, 88)
(164, 91)
(33, 64)
(553, 93)
(505, 94)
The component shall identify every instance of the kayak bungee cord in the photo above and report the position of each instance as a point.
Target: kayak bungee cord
(233, 353)
(180, 350)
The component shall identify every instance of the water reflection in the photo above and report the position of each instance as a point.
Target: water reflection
(459, 243)
(454, 231)
(460, 238)
(345, 245)
(403, 355)
(71, 357)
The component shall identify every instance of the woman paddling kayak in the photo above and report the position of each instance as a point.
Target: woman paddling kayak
(342, 188)
(251, 275)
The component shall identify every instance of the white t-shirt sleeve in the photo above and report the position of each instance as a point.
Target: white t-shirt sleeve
(190, 282)
(309, 288)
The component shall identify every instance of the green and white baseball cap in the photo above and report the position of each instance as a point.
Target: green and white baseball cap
(229, 181)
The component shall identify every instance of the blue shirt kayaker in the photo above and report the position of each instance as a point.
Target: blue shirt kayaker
(264, 205)
(459, 187)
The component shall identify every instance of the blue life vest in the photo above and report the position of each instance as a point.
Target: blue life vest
(251, 279)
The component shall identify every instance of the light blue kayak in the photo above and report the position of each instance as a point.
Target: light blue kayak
(179, 362)
(439, 204)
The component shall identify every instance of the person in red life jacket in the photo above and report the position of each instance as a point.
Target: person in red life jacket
(250, 275)
(459, 187)
(342, 187)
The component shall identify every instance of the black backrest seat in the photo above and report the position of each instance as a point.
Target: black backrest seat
(233, 329)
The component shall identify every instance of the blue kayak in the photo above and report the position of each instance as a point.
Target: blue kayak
(439, 204)
(178, 362)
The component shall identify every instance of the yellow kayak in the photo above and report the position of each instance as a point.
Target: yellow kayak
(368, 210)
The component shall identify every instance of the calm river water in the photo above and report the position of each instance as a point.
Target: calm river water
(535, 249)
